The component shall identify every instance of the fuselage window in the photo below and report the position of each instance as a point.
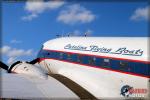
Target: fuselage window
(123, 65)
(69, 56)
(61, 55)
(92, 60)
(55, 55)
(106, 63)
(74, 57)
(79, 59)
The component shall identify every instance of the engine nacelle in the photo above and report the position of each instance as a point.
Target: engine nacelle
(26, 68)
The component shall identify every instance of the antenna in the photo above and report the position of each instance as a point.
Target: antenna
(58, 35)
(68, 35)
(85, 34)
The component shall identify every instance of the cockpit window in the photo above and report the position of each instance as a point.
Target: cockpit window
(40, 54)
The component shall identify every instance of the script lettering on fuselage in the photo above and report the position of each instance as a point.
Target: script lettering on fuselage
(125, 51)
(94, 48)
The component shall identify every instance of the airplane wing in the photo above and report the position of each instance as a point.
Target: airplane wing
(28, 87)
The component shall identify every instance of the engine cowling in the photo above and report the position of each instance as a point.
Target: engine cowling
(27, 68)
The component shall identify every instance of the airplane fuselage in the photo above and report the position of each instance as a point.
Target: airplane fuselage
(105, 66)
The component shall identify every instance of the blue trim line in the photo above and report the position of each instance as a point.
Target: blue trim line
(125, 66)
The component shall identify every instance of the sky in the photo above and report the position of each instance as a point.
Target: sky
(27, 25)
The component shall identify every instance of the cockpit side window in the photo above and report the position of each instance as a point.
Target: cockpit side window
(40, 54)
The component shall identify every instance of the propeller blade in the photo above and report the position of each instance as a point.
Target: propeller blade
(9, 70)
(4, 66)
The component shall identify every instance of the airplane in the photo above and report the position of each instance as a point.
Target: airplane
(104, 67)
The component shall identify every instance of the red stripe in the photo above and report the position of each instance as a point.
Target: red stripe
(41, 59)
(145, 62)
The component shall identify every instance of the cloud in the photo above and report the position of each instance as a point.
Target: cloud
(76, 14)
(14, 41)
(4, 50)
(30, 17)
(14, 53)
(36, 8)
(141, 14)
(19, 52)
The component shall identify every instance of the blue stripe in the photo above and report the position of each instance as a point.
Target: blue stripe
(110, 64)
